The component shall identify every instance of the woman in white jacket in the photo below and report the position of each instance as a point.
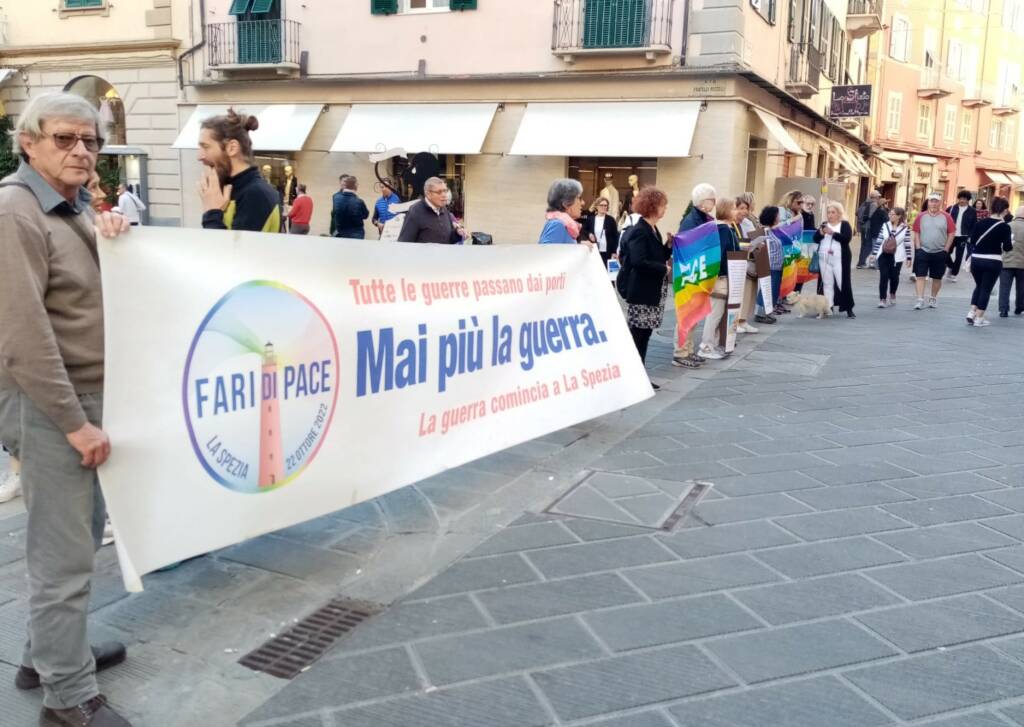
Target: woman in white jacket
(890, 263)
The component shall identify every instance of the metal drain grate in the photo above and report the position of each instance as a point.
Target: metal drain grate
(290, 653)
(694, 496)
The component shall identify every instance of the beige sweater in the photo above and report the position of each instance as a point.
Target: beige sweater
(51, 308)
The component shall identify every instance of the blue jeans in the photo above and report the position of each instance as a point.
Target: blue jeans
(356, 233)
(762, 309)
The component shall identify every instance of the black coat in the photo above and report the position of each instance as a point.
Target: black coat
(844, 294)
(878, 218)
(611, 232)
(423, 224)
(970, 218)
(647, 256)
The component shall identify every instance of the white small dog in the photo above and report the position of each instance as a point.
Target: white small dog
(808, 304)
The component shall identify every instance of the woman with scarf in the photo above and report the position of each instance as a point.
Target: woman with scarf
(833, 238)
(565, 204)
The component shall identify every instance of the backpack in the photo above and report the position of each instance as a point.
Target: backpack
(890, 244)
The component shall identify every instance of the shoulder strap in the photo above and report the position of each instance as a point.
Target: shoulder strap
(88, 240)
(983, 234)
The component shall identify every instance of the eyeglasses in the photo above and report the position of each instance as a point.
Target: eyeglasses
(67, 142)
(603, 205)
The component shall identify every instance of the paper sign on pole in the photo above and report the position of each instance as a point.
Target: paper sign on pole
(255, 381)
(737, 271)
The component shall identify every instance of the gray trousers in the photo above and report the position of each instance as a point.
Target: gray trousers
(66, 514)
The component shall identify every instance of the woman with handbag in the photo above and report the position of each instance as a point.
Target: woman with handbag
(834, 257)
(990, 238)
(890, 252)
(600, 228)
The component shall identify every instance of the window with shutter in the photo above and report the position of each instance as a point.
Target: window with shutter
(384, 7)
(614, 24)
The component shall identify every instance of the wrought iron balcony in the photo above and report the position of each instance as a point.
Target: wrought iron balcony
(934, 84)
(863, 17)
(609, 27)
(803, 79)
(254, 44)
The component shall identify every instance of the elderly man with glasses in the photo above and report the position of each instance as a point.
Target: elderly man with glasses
(51, 375)
(430, 220)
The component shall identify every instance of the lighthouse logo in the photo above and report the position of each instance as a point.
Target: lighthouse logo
(260, 386)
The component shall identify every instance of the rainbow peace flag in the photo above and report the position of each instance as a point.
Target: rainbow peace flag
(808, 248)
(696, 261)
(790, 235)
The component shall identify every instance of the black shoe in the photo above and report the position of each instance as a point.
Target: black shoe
(1004, 314)
(849, 314)
(655, 386)
(767, 320)
(107, 654)
(93, 713)
(861, 267)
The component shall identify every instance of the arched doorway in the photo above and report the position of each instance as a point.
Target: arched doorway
(106, 100)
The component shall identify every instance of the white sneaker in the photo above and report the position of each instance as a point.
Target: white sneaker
(933, 303)
(10, 487)
(919, 304)
(912, 278)
(712, 354)
(982, 322)
(951, 278)
(745, 328)
(970, 318)
(108, 533)
(882, 304)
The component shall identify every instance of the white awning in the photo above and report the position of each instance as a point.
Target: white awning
(1016, 179)
(6, 73)
(775, 128)
(283, 127)
(452, 128)
(608, 129)
(922, 159)
(853, 160)
(894, 156)
(835, 155)
(999, 178)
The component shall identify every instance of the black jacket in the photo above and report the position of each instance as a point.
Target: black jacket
(808, 218)
(348, 213)
(970, 218)
(996, 242)
(422, 224)
(878, 218)
(694, 218)
(647, 255)
(254, 205)
(728, 243)
(611, 232)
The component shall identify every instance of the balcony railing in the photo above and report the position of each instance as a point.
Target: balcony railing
(588, 27)
(253, 44)
(863, 17)
(934, 84)
(803, 79)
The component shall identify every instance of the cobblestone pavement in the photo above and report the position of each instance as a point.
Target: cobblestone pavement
(856, 562)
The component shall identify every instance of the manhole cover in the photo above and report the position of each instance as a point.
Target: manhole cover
(628, 500)
(289, 653)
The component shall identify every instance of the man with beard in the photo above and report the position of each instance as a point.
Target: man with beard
(234, 195)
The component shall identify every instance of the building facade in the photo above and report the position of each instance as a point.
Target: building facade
(121, 56)
(510, 96)
(949, 100)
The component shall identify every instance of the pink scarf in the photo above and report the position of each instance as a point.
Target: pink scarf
(571, 225)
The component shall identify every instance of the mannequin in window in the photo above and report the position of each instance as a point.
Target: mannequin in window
(291, 185)
(611, 194)
(627, 204)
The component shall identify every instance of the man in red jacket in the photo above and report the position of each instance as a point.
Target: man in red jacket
(301, 213)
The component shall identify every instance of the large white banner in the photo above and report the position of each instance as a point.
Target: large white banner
(257, 381)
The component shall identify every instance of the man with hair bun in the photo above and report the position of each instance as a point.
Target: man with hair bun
(234, 195)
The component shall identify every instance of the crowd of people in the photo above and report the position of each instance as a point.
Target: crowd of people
(934, 247)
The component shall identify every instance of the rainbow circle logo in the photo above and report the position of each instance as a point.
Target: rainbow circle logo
(260, 386)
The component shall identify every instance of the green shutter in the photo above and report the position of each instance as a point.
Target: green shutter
(383, 7)
(614, 24)
(462, 4)
(76, 4)
(238, 7)
(261, 6)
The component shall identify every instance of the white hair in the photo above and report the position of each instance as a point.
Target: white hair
(433, 183)
(702, 192)
(836, 206)
(563, 193)
(50, 106)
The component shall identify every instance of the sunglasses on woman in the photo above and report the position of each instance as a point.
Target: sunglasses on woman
(67, 142)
